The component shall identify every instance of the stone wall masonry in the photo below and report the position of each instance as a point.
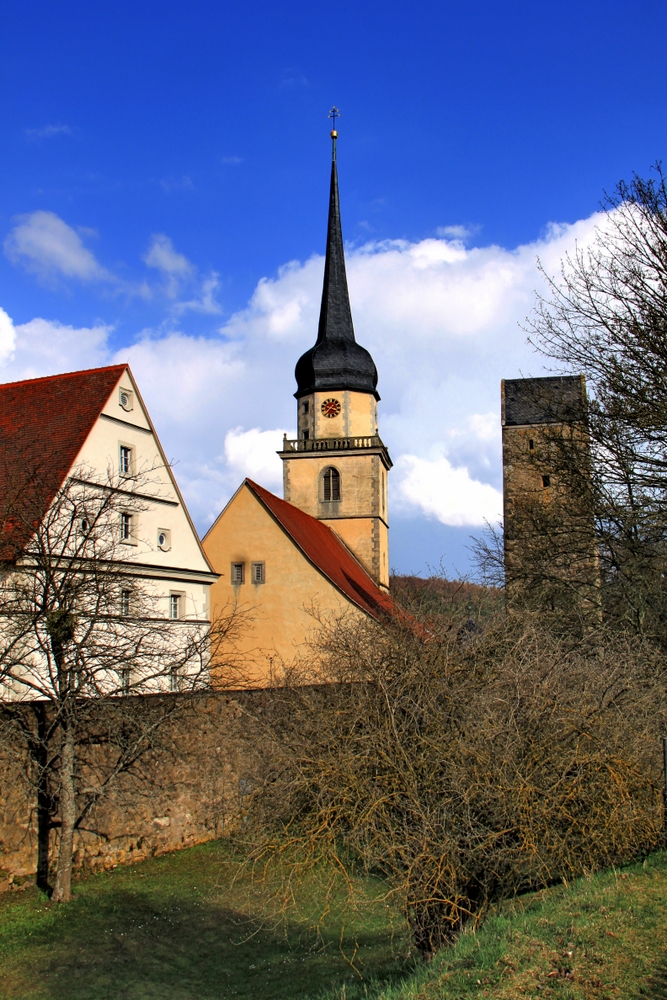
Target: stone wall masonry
(189, 789)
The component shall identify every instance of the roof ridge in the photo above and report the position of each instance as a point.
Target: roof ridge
(81, 371)
(362, 591)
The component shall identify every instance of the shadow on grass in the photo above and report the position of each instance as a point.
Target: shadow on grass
(130, 945)
(656, 986)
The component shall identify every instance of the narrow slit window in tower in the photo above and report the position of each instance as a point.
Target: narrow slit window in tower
(546, 481)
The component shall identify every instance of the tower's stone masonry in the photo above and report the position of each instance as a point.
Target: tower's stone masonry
(550, 542)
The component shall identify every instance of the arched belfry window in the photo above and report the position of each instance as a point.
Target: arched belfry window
(330, 485)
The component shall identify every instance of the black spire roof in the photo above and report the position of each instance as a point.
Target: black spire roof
(337, 361)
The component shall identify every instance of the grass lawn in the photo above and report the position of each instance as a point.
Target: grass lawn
(597, 939)
(175, 928)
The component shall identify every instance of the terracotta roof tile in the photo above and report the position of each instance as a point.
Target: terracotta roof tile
(324, 549)
(44, 422)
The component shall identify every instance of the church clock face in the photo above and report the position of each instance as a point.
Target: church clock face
(330, 407)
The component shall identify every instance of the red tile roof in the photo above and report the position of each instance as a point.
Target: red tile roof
(324, 549)
(43, 425)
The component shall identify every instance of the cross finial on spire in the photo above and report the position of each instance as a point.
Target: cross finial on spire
(334, 114)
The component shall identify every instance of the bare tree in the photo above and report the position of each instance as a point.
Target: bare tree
(606, 316)
(81, 632)
(458, 767)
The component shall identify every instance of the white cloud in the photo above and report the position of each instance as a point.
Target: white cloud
(179, 273)
(43, 347)
(45, 245)
(47, 132)
(462, 233)
(253, 453)
(440, 320)
(7, 335)
(174, 267)
(206, 302)
(438, 489)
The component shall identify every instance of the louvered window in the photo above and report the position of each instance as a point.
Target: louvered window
(331, 485)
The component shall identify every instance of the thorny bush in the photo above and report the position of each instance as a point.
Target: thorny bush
(459, 766)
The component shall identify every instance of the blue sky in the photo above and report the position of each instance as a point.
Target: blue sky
(163, 194)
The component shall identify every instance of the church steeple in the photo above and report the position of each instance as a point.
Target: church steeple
(337, 466)
(336, 362)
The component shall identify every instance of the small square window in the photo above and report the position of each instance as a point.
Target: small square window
(175, 606)
(164, 539)
(125, 462)
(238, 573)
(257, 572)
(126, 399)
(125, 602)
(546, 482)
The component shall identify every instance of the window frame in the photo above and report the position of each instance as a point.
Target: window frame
(177, 600)
(125, 602)
(167, 545)
(254, 566)
(333, 485)
(232, 575)
(125, 470)
(129, 519)
(130, 398)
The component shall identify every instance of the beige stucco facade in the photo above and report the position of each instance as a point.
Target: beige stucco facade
(348, 442)
(280, 619)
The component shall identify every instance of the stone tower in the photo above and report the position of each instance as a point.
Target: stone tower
(336, 469)
(550, 541)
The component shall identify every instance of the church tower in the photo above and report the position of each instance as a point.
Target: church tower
(336, 469)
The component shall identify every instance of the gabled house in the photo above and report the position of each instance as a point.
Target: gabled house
(283, 564)
(91, 430)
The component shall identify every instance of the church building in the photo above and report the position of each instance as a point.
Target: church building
(325, 546)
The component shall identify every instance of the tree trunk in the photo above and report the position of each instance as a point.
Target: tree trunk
(41, 752)
(62, 891)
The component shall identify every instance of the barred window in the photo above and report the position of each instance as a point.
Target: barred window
(257, 572)
(238, 573)
(331, 485)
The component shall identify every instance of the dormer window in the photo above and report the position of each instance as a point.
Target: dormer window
(126, 399)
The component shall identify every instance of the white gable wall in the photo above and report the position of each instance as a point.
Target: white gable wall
(183, 568)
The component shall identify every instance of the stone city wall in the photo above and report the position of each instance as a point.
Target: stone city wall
(188, 789)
